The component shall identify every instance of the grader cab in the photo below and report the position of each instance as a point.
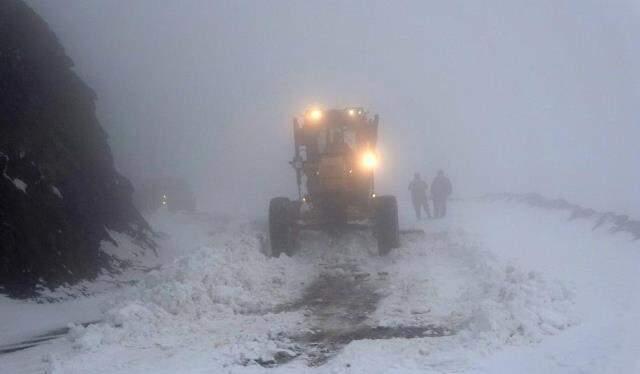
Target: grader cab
(334, 159)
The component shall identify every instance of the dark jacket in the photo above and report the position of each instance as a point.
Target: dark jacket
(418, 189)
(441, 187)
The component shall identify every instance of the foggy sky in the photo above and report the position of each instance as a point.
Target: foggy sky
(506, 96)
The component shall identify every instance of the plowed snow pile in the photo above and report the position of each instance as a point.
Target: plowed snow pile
(221, 298)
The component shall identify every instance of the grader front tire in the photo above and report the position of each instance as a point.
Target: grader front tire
(281, 226)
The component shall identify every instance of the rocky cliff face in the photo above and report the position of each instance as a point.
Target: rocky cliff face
(59, 191)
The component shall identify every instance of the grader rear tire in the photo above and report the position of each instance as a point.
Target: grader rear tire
(387, 229)
(281, 230)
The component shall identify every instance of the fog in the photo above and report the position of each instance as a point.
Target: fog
(504, 96)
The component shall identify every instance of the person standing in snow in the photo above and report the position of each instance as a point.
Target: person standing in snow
(418, 189)
(440, 192)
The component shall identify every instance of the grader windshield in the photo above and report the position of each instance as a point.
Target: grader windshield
(335, 128)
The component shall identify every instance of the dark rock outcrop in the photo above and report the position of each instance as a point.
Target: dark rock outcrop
(59, 191)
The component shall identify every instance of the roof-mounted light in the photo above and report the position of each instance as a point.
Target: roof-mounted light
(315, 115)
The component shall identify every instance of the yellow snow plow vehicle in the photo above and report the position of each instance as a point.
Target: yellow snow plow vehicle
(334, 159)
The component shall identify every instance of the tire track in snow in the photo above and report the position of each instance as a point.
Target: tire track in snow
(341, 300)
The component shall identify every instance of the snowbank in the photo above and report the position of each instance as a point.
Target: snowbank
(224, 295)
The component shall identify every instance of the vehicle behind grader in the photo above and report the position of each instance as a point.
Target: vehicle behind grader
(334, 160)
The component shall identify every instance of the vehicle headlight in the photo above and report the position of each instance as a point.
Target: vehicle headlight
(369, 160)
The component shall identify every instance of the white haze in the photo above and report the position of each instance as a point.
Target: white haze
(512, 96)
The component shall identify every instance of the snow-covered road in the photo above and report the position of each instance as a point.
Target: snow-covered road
(495, 287)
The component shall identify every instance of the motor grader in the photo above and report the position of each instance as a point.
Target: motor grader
(334, 161)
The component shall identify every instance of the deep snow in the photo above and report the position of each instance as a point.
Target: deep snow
(519, 289)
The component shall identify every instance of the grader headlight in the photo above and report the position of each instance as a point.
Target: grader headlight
(369, 160)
